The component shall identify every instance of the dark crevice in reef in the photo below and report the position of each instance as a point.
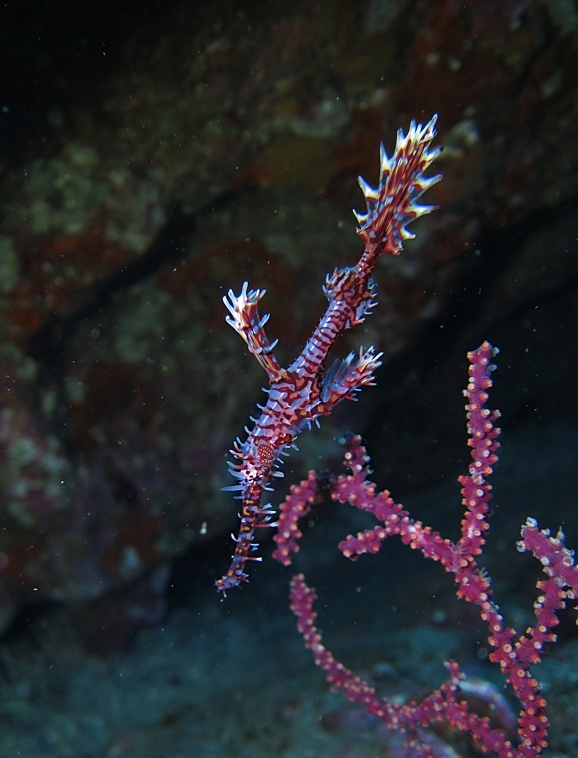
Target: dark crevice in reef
(420, 413)
(497, 250)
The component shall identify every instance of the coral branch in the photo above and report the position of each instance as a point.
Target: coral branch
(515, 654)
(297, 505)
